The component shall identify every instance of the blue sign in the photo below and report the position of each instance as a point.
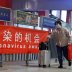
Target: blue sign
(4, 14)
(48, 22)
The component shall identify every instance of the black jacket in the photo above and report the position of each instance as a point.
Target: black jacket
(42, 46)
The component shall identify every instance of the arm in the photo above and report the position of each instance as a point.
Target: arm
(67, 35)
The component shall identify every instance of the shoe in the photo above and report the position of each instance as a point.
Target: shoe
(69, 63)
(60, 66)
(49, 65)
(44, 66)
(39, 65)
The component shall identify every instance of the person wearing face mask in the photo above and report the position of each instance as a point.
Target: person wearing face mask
(62, 38)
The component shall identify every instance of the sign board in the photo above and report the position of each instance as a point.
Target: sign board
(20, 40)
(47, 22)
(26, 18)
(5, 14)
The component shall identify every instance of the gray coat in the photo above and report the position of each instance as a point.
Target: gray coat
(52, 47)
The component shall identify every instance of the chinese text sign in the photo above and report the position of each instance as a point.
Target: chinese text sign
(20, 40)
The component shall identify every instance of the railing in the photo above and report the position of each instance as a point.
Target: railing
(18, 57)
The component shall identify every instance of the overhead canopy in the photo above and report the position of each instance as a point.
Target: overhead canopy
(42, 4)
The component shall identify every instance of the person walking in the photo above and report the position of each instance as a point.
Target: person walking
(62, 38)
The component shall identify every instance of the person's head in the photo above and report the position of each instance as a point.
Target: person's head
(58, 24)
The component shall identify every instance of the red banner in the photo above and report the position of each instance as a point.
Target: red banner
(20, 40)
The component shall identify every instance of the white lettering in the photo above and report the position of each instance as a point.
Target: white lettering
(36, 38)
(18, 37)
(8, 46)
(12, 45)
(7, 36)
(32, 46)
(36, 46)
(28, 37)
(29, 46)
(4, 45)
(20, 46)
(0, 45)
(24, 46)
(17, 46)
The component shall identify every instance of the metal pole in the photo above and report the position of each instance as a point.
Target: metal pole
(27, 63)
(0, 60)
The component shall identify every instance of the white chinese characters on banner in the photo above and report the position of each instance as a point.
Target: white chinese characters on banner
(28, 37)
(36, 38)
(7, 36)
(18, 37)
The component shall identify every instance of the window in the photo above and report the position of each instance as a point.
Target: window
(63, 15)
(56, 13)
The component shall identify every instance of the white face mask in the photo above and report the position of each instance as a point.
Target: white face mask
(58, 26)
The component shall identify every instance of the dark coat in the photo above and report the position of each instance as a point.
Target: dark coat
(42, 46)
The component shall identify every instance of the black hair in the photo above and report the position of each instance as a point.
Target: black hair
(58, 22)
